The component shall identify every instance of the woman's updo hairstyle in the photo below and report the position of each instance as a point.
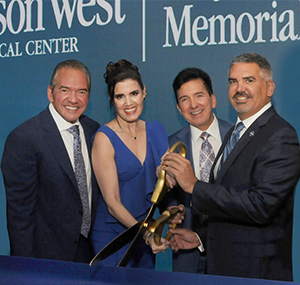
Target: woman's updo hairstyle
(120, 71)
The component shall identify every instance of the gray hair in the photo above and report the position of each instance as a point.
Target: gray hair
(252, 57)
(72, 64)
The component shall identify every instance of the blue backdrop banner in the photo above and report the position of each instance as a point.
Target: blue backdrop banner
(161, 37)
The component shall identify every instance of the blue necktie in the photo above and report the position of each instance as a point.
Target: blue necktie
(207, 157)
(235, 136)
(80, 175)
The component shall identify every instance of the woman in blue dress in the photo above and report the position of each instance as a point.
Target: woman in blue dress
(125, 155)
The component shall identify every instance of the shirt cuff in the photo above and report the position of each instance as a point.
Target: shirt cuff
(200, 247)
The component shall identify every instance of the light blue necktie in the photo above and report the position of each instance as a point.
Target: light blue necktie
(80, 175)
(235, 136)
(207, 157)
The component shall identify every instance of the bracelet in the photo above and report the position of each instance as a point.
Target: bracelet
(147, 238)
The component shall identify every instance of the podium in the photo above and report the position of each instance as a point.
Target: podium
(30, 271)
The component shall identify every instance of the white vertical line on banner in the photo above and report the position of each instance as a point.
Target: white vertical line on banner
(144, 30)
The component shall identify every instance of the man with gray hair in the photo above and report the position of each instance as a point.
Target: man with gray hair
(247, 206)
(51, 190)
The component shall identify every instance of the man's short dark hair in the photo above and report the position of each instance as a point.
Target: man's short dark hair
(189, 74)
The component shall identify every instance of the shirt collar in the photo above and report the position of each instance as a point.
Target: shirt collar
(213, 130)
(249, 121)
(61, 123)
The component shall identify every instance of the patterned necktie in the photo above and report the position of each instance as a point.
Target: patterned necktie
(80, 175)
(207, 157)
(235, 136)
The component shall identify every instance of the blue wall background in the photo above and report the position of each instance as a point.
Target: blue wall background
(161, 37)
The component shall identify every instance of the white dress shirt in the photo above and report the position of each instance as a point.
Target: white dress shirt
(248, 122)
(68, 138)
(214, 139)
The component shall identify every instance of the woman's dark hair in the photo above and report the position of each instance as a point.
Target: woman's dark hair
(120, 71)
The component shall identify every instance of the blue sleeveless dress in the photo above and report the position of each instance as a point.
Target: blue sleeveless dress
(136, 184)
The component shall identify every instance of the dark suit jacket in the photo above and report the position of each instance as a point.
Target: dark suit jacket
(250, 204)
(44, 210)
(187, 261)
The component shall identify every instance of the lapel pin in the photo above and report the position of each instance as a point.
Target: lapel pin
(251, 134)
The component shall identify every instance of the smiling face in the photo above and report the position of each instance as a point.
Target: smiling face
(128, 100)
(249, 89)
(195, 104)
(70, 95)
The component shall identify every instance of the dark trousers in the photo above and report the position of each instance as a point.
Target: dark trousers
(84, 253)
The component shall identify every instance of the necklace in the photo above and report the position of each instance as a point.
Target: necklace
(136, 126)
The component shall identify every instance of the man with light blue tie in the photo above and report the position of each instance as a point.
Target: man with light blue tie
(248, 203)
(203, 137)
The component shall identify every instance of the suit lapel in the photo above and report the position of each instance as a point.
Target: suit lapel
(56, 145)
(185, 136)
(223, 128)
(220, 152)
(250, 133)
(87, 133)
